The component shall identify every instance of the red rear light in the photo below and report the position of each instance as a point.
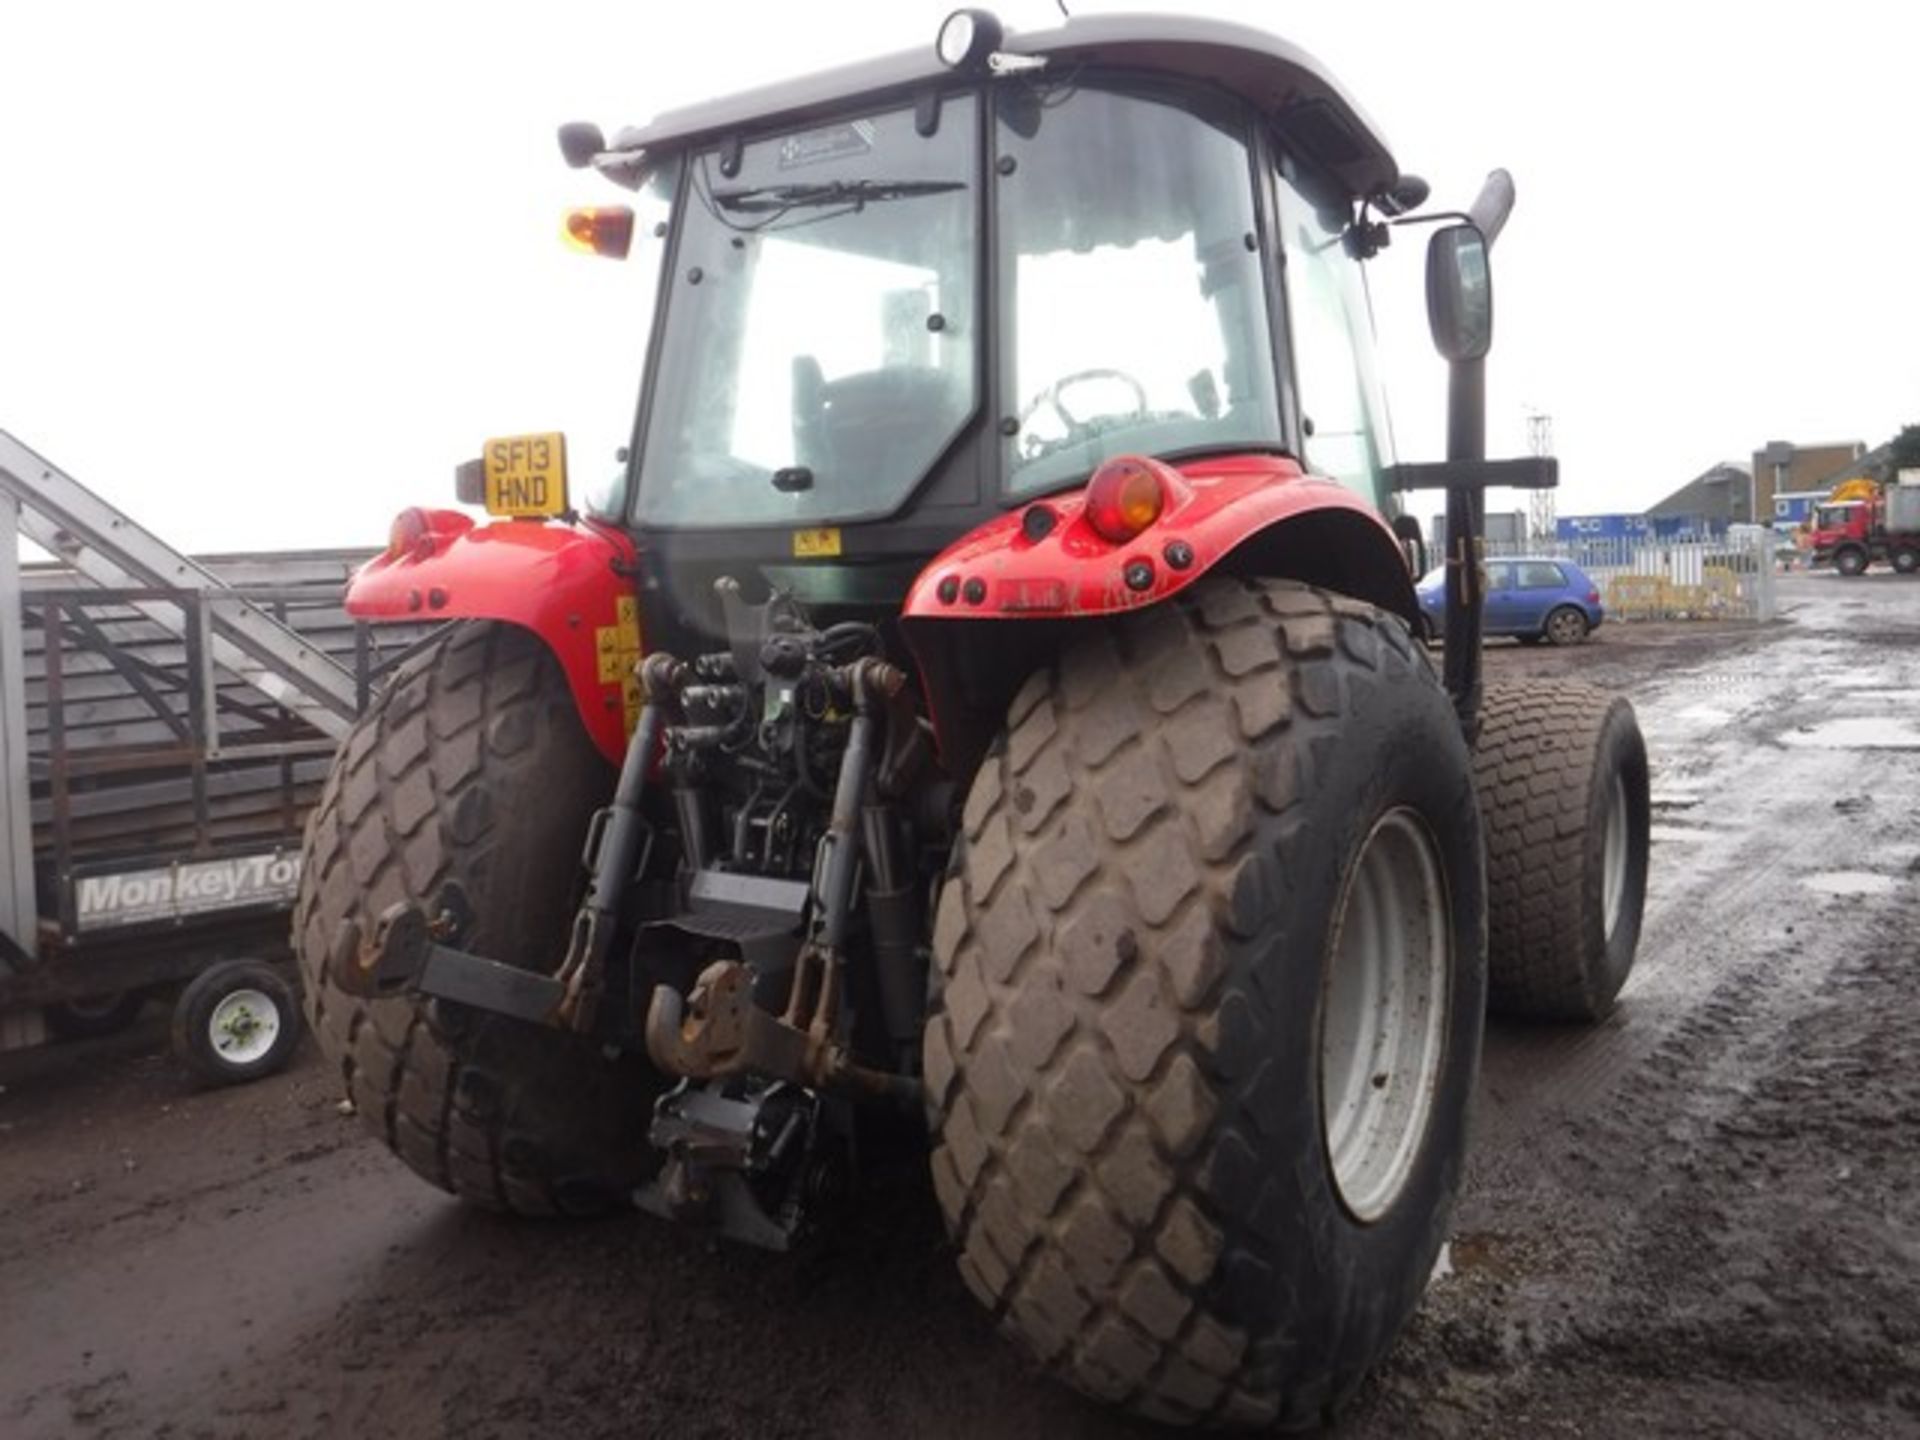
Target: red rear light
(410, 535)
(1593, 597)
(1125, 496)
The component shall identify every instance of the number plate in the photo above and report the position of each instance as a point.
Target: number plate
(816, 544)
(527, 475)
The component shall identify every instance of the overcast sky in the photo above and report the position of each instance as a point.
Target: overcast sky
(268, 271)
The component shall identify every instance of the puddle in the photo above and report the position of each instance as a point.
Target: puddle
(1850, 680)
(1704, 715)
(1850, 883)
(1868, 732)
(1658, 833)
(1465, 1254)
(1885, 697)
(1675, 799)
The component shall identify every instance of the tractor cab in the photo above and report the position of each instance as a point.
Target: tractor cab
(900, 301)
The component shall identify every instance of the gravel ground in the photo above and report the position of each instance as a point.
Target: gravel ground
(1701, 1217)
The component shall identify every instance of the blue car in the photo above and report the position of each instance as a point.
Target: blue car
(1532, 599)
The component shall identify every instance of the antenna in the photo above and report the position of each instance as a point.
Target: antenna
(1063, 9)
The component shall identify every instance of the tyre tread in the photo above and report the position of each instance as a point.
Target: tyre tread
(407, 808)
(1536, 752)
(1111, 1275)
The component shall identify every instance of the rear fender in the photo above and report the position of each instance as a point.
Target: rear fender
(569, 584)
(998, 602)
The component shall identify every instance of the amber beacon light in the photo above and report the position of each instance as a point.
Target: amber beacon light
(600, 230)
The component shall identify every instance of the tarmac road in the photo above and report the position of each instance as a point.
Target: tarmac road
(1700, 1217)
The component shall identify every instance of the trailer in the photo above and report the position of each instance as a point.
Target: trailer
(165, 726)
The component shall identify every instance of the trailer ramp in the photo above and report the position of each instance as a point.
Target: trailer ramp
(75, 525)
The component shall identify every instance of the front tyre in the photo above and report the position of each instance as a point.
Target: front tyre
(1213, 982)
(471, 775)
(1851, 561)
(1564, 794)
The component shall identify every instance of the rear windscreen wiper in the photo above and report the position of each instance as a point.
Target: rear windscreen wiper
(773, 199)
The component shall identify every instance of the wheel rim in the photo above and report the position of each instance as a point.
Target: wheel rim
(1566, 627)
(1613, 883)
(1383, 1012)
(243, 1026)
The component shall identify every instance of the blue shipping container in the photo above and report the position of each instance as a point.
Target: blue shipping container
(1571, 528)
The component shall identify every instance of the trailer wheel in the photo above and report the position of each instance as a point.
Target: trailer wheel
(1562, 774)
(468, 785)
(1850, 561)
(95, 1015)
(1906, 561)
(236, 1021)
(1212, 982)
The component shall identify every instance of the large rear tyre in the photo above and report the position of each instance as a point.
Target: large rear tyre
(471, 772)
(1212, 977)
(1562, 774)
(1906, 561)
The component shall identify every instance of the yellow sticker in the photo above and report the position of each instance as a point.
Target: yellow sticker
(616, 650)
(816, 544)
(630, 699)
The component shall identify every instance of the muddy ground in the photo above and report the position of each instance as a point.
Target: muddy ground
(1702, 1217)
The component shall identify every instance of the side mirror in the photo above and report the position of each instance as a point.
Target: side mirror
(580, 141)
(1459, 293)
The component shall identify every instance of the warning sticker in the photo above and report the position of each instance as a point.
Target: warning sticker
(616, 649)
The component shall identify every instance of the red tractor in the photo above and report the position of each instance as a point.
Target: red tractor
(988, 696)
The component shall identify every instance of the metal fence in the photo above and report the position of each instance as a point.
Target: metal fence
(1729, 578)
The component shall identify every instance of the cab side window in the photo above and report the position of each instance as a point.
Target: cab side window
(1342, 411)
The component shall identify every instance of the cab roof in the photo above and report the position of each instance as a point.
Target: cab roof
(1278, 79)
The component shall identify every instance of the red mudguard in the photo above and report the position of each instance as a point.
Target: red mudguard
(1264, 511)
(570, 585)
(1213, 507)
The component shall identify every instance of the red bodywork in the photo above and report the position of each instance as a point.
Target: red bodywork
(570, 585)
(1858, 530)
(1213, 507)
(573, 586)
(1256, 514)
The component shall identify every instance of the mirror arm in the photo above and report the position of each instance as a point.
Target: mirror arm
(1467, 504)
(1492, 206)
(1466, 523)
